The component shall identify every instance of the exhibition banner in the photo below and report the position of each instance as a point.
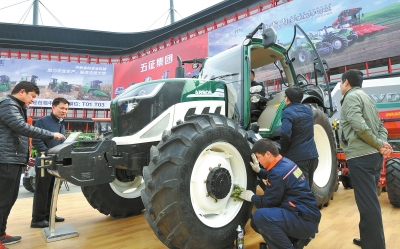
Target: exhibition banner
(83, 85)
(159, 65)
(344, 32)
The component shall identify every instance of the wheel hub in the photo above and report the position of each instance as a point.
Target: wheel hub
(219, 183)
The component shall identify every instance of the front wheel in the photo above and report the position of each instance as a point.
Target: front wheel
(120, 198)
(339, 43)
(190, 179)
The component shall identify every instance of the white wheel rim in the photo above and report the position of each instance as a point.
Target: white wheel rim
(210, 212)
(128, 190)
(337, 44)
(323, 172)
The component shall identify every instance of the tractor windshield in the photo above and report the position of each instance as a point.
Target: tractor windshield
(225, 67)
(141, 104)
(311, 76)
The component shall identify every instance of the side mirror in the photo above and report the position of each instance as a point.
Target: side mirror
(180, 72)
(268, 37)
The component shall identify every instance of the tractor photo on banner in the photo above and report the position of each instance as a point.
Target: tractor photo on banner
(343, 32)
(84, 85)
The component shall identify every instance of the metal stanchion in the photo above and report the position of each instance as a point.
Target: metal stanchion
(60, 232)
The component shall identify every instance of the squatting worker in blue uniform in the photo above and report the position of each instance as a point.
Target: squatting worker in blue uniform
(297, 134)
(44, 185)
(364, 140)
(14, 147)
(287, 214)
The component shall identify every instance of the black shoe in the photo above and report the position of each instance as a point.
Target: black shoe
(301, 243)
(59, 219)
(40, 224)
(357, 241)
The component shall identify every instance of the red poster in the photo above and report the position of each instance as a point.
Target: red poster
(159, 65)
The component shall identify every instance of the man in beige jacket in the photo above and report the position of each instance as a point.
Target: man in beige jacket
(364, 141)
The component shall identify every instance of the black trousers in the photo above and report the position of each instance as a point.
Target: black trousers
(10, 177)
(42, 196)
(308, 167)
(365, 173)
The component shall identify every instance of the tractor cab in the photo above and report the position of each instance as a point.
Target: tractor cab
(349, 17)
(52, 83)
(96, 84)
(32, 79)
(4, 79)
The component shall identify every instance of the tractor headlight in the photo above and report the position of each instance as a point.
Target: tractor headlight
(255, 89)
(254, 98)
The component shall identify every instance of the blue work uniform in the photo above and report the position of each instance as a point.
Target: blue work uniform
(288, 208)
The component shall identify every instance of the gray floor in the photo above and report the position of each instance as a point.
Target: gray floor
(23, 193)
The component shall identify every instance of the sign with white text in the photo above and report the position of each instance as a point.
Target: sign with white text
(84, 86)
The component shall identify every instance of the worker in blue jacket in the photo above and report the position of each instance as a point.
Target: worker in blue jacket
(287, 215)
(297, 133)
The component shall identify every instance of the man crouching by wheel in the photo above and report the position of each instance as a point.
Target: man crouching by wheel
(287, 215)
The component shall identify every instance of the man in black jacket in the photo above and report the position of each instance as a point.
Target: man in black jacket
(14, 146)
(44, 185)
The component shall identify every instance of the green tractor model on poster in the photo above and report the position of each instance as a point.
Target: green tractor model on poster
(32, 78)
(5, 83)
(93, 88)
(303, 51)
(59, 87)
(179, 145)
(339, 38)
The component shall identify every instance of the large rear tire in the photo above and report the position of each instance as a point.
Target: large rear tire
(118, 198)
(190, 179)
(393, 180)
(326, 175)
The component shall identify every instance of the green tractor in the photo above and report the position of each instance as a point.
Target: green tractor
(62, 87)
(5, 83)
(93, 88)
(179, 145)
(339, 38)
(59, 87)
(303, 52)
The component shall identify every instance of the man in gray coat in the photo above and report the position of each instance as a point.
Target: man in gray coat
(14, 146)
(364, 140)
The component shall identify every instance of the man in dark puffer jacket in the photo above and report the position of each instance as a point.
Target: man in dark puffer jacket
(14, 147)
(297, 134)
